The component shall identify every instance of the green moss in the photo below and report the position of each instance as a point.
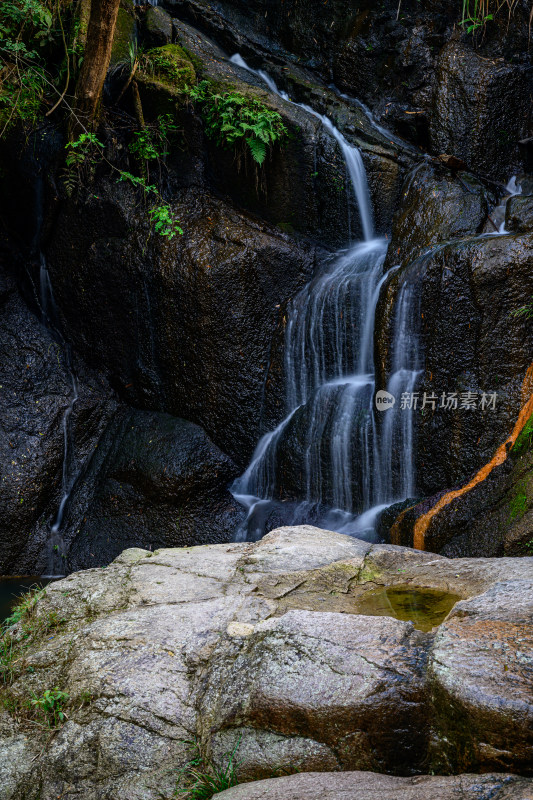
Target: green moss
(518, 505)
(193, 58)
(286, 227)
(170, 66)
(123, 38)
(525, 439)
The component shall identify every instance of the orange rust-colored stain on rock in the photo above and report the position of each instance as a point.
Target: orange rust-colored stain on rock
(422, 524)
(395, 536)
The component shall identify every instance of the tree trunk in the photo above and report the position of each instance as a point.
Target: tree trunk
(100, 32)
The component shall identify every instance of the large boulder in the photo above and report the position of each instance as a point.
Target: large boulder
(369, 786)
(154, 481)
(277, 650)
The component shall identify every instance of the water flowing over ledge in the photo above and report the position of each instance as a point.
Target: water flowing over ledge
(335, 460)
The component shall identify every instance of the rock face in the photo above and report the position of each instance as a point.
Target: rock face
(194, 329)
(387, 56)
(36, 393)
(479, 114)
(436, 206)
(155, 481)
(464, 296)
(368, 786)
(260, 647)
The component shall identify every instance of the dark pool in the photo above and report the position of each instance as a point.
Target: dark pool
(12, 588)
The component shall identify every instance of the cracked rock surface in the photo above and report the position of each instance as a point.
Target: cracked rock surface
(263, 644)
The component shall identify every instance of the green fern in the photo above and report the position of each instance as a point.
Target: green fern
(231, 117)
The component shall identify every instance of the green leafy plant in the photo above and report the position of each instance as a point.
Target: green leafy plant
(524, 311)
(200, 779)
(51, 706)
(152, 142)
(230, 117)
(29, 30)
(476, 13)
(83, 155)
(87, 150)
(164, 222)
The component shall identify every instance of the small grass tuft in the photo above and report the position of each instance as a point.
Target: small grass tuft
(200, 779)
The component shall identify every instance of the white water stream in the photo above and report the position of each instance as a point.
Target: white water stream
(352, 460)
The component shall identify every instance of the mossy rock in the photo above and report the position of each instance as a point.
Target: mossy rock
(165, 73)
(125, 34)
(170, 66)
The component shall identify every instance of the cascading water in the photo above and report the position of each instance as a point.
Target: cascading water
(55, 551)
(350, 463)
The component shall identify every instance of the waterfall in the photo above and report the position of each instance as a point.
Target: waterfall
(350, 460)
(55, 549)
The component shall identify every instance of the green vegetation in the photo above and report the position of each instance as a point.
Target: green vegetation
(525, 439)
(200, 780)
(169, 65)
(152, 142)
(524, 311)
(518, 505)
(51, 706)
(30, 31)
(87, 151)
(476, 13)
(31, 626)
(231, 117)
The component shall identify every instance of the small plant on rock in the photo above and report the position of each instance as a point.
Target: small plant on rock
(83, 155)
(51, 706)
(230, 117)
(21, 629)
(200, 779)
(476, 13)
(87, 150)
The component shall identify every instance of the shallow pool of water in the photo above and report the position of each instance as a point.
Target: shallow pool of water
(425, 608)
(12, 588)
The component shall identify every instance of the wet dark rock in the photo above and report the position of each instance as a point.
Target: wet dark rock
(494, 518)
(155, 481)
(436, 206)
(380, 53)
(36, 390)
(192, 332)
(304, 184)
(519, 214)
(158, 27)
(472, 342)
(479, 114)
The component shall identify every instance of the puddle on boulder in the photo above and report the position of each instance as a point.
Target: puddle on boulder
(425, 608)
